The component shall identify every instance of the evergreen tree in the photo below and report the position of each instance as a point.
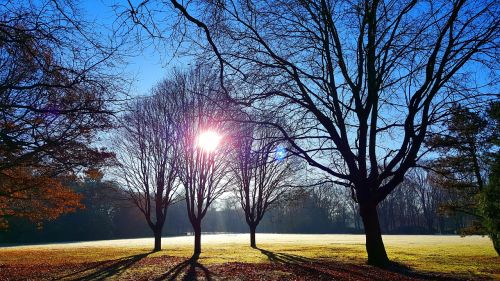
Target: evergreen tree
(463, 166)
(490, 197)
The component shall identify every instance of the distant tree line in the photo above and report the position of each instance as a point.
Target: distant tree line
(108, 214)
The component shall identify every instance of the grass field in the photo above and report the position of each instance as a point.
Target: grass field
(278, 257)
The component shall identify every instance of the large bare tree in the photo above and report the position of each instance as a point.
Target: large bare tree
(148, 156)
(364, 81)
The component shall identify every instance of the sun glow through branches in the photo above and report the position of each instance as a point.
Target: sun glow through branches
(208, 141)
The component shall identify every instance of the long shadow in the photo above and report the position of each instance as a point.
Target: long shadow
(299, 264)
(102, 270)
(324, 270)
(405, 270)
(189, 268)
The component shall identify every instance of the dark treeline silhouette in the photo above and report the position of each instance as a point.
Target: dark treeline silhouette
(109, 215)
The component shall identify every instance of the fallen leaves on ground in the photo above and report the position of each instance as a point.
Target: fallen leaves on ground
(280, 267)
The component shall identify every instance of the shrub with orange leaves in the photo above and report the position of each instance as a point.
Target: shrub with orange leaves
(27, 194)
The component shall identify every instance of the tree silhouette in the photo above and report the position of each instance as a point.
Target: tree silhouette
(148, 156)
(262, 172)
(203, 173)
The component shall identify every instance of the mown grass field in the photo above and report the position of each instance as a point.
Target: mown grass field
(278, 257)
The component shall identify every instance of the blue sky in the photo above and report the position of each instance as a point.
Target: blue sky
(145, 65)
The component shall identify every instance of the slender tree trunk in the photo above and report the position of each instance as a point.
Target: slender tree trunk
(197, 238)
(252, 236)
(374, 244)
(441, 225)
(157, 233)
(430, 224)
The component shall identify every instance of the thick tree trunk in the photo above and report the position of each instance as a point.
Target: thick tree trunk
(197, 239)
(252, 236)
(495, 238)
(157, 234)
(374, 244)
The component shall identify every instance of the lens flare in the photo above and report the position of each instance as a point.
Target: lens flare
(280, 153)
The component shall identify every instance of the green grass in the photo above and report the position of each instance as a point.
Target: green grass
(468, 257)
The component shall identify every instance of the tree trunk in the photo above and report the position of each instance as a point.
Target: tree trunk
(197, 239)
(374, 244)
(495, 238)
(441, 225)
(252, 236)
(157, 234)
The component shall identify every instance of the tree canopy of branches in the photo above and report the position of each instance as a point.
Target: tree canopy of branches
(202, 172)
(363, 81)
(261, 171)
(55, 94)
(148, 156)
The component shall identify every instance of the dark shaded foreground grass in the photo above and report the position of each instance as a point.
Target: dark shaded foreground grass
(281, 266)
(278, 257)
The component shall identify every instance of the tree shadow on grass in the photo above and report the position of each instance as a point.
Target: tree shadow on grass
(189, 268)
(330, 270)
(301, 266)
(407, 271)
(104, 269)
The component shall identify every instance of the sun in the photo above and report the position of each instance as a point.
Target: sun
(208, 140)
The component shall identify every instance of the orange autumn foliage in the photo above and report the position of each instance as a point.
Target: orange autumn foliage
(26, 193)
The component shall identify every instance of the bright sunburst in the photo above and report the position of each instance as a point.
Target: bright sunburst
(208, 140)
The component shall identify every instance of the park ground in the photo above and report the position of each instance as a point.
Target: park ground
(278, 257)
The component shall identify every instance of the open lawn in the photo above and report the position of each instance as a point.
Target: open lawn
(278, 257)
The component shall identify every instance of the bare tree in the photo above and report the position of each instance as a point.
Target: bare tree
(205, 142)
(261, 170)
(148, 156)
